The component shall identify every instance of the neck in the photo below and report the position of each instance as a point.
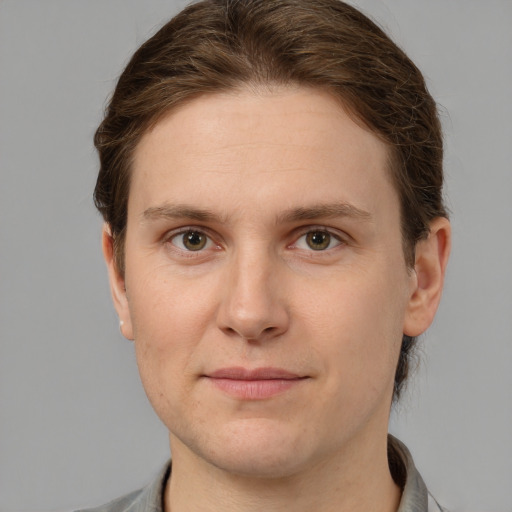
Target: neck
(355, 480)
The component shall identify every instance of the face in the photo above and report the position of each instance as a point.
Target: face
(265, 285)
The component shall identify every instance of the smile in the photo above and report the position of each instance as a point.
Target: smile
(257, 384)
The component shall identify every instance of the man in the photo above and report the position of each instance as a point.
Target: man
(271, 184)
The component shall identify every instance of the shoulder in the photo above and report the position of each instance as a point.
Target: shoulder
(415, 495)
(147, 499)
(123, 504)
(433, 505)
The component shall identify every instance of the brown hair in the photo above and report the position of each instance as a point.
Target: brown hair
(217, 45)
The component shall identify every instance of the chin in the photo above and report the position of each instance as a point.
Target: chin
(260, 463)
(257, 448)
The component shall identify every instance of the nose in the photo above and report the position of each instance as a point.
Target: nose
(253, 305)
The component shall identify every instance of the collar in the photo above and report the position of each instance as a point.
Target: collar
(415, 497)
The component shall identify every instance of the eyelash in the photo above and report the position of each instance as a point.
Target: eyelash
(333, 237)
(209, 243)
(170, 237)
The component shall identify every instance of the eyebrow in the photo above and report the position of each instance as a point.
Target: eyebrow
(324, 211)
(180, 211)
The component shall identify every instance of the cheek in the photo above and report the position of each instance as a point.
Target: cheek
(166, 306)
(169, 318)
(358, 332)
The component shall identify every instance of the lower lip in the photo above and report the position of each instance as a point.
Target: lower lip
(254, 389)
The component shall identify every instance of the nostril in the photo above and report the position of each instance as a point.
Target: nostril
(247, 335)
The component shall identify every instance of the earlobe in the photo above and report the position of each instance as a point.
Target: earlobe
(117, 284)
(430, 268)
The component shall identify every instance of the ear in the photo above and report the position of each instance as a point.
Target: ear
(429, 271)
(117, 284)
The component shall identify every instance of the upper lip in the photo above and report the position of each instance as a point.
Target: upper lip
(240, 373)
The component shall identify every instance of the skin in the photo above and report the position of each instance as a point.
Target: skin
(260, 175)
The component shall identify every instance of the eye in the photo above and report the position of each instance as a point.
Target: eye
(317, 240)
(191, 240)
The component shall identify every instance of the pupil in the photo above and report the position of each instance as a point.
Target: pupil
(318, 240)
(194, 240)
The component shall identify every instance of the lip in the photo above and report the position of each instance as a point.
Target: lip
(254, 384)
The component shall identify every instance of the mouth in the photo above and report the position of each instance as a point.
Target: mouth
(256, 384)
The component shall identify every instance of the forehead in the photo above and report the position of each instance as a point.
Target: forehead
(283, 145)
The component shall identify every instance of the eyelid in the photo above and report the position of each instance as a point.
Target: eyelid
(168, 236)
(338, 235)
(172, 234)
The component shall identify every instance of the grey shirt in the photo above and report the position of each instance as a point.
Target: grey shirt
(415, 497)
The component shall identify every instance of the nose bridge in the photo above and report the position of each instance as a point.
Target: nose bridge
(251, 305)
(252, 268)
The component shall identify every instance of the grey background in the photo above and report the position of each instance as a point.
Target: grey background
(75, 427)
